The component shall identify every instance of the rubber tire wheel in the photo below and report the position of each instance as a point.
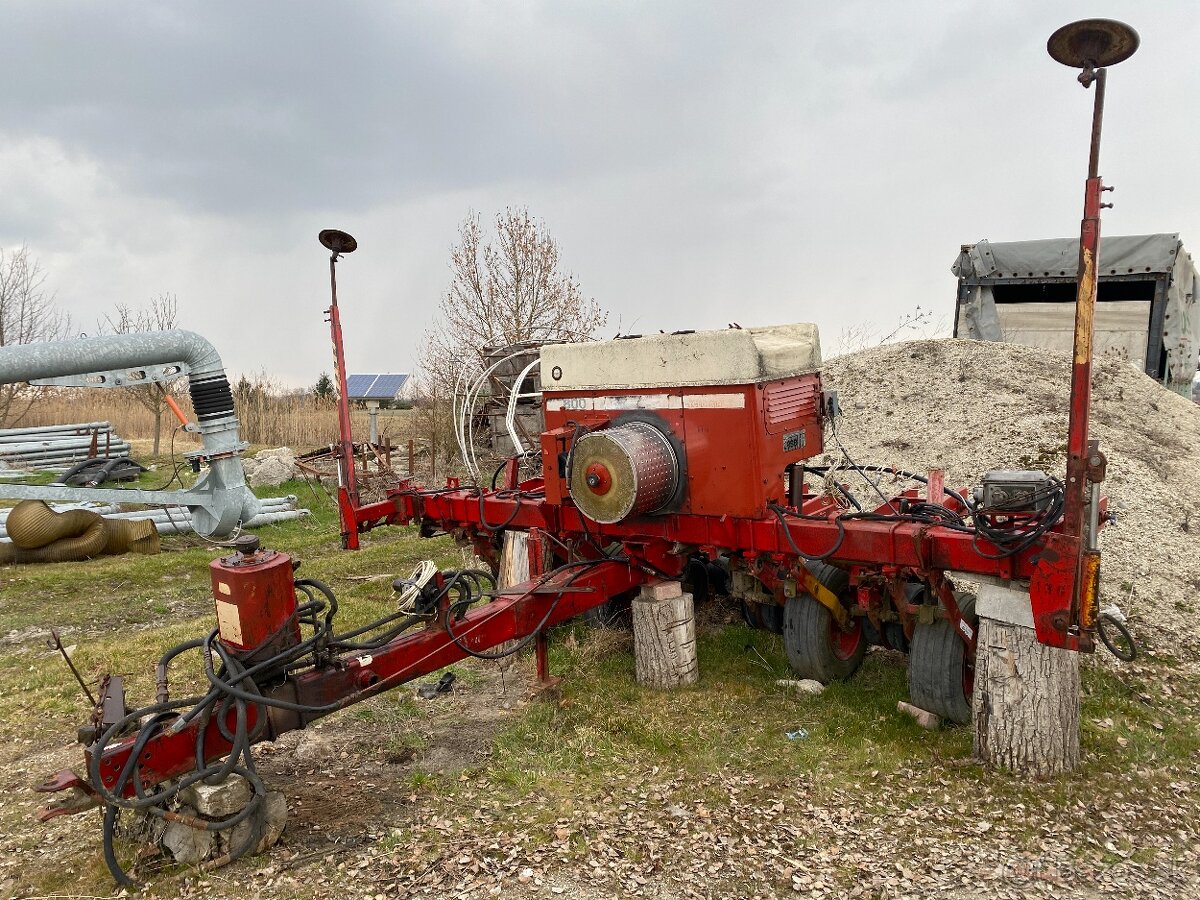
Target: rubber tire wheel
(808, 629)
(763, 616)
(935, 666)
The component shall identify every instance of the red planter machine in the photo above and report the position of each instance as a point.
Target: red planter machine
(687, 456)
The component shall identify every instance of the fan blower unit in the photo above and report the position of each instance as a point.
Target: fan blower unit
(622, 471)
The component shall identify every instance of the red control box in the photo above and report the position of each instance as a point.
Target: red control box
(256, 601)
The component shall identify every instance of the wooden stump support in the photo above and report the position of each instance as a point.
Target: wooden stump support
(1026, 696)
(516, 567)
(664, 636)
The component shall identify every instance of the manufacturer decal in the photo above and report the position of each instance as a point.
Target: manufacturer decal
(229, 621)
(618, 402)
(793, 440)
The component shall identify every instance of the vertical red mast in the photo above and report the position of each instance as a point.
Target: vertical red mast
(338, 242)
(1090, 45)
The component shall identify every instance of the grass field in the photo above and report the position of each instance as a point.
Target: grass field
(601, 787)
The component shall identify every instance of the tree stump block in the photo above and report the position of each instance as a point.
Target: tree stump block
(664, 636)
(514, 569)
(514, 559)
(1026, 707)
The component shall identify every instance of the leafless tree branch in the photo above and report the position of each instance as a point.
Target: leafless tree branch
(28, 313)
(504, 289)
(161, 315)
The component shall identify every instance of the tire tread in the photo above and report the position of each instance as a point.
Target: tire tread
(935, 663)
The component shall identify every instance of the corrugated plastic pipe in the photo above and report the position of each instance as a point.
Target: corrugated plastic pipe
(39, 534)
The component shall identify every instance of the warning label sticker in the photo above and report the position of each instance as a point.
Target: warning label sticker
(229, 621)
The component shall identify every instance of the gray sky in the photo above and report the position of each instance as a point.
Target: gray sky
(698, 162)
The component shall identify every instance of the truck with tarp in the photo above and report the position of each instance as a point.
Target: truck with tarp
(1023, 292)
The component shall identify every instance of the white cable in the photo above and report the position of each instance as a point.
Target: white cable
(421, 576)
(514, 395)
(467, 415)
(454, 414)
(482, 383)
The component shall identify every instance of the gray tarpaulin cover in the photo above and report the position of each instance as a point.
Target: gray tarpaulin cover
(1149, 254)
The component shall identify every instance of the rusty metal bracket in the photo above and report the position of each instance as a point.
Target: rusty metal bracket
(963, 628)
(82, 796)
(54, 642)
(1097, 463)
(824, 596)
(1051, 587)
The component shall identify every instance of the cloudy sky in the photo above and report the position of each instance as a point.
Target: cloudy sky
(698, 162)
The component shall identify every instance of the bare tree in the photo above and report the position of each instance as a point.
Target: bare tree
(505, 288)
(161, 315)
(27, 314)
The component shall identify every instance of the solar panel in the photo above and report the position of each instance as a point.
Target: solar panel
(358, 385)
(375, 386)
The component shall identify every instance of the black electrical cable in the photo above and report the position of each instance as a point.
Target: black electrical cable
(496, 474)
(159, 713)
(918, 518)
(1014, 540)
(511, 516)
(889, 470)
(780, 513)
(154, 717)
(231, 688)
(342, 642)
(856, 467)
(850, 498)
(234, 690)
(524, 642)
(110, 854)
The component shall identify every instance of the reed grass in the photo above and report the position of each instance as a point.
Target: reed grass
(270, 415)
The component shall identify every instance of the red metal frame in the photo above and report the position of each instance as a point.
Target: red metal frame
(357, 676)
(743, 442)
(736, 439)
(926, 551)
(1084, 561)
(891, 551)
(347, 485)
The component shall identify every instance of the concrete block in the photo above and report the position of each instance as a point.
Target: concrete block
(1004, 601)
(271, 472)
(217, 800)
(802, 686)
(927, 720)
(269, 821)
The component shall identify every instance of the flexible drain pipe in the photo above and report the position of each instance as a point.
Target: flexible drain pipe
(220, 500)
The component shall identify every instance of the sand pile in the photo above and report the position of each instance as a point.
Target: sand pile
(970, 406)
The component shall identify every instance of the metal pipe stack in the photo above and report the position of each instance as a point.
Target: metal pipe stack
(55, 448)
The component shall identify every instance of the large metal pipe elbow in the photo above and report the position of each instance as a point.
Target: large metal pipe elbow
(82, 356)
(208, 385)
(226, 499)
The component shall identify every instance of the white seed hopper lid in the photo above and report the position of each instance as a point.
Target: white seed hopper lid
(729, 356)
